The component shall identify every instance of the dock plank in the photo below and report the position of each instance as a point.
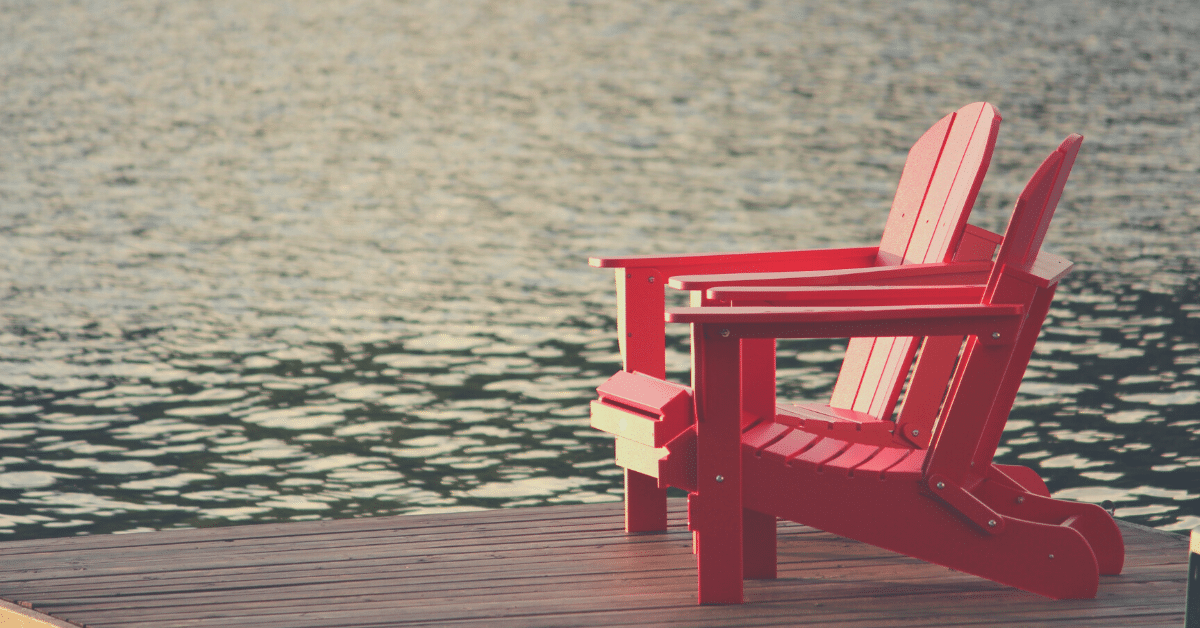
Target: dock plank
(549, 566)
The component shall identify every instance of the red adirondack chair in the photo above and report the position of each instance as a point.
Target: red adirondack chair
(949, 504)
(926, 229)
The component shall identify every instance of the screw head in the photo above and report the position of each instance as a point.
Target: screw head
(724, 333)
(651, 279)
(720, 478)
(1052, 557)
(1020, 499)
(940, 485)
(916, 432)
(995, 335)
(991, 523)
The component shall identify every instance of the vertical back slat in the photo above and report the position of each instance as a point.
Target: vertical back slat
(892, 377)
(919, 168)
(845, 389)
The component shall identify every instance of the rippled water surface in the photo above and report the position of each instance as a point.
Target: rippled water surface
(287, 260)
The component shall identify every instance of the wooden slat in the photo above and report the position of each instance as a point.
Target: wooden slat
(555, 566)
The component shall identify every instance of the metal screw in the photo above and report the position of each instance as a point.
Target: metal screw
(1020, 499)
(916, 432)
(720, 478)
(651, 279)
(1052, 557)
(991, 523)
(995, 335)
(940, 485)
(724, 333)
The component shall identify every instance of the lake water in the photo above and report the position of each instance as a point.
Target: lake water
(269, 261)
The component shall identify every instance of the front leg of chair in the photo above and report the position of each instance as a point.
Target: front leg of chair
(642, 339)
(716, 512)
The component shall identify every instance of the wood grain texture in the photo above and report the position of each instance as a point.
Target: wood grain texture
(551, 566)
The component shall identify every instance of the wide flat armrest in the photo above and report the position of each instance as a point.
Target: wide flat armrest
(941, 273)
(1048, 268)
(992, 324)
(755, 262)
(840, 296)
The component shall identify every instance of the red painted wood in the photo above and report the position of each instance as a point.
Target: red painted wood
(915, 319)
(822, 452)
(933, 236)
(757, 261)
(904, 518)
(642, 340)
(759, 545)
(848, 295)
(854, 456)
(640, 332)
(640, 278)
(716, 509)
(952, 189)
(764, 434)
(919, 169)
(757, 357)
(1019, 477)
(645, 503)
(792, 444)
(943, 273)
(641, 408)
(946, 505)
(923, 401)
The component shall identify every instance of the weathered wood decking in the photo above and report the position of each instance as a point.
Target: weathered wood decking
(553, 566)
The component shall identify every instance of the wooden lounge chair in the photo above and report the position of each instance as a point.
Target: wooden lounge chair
(949, 504)
(926, 229)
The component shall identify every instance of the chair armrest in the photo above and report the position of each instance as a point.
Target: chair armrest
(755, 262)
(840, 296)
(941, 273)
(992, 324)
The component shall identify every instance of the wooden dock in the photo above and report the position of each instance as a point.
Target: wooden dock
(550, 566)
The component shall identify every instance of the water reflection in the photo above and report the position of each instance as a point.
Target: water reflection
(267, 264)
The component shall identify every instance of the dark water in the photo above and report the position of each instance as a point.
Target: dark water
(290, 260)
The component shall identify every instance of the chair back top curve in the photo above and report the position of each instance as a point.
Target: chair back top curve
(941, 178)
(1035, 208)
(938, 186)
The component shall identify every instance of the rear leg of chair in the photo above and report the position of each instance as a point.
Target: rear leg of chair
(1048, 559)
(1090, 520)
(758, 545)
(1024, 477)
(640, 333)
(645, 503)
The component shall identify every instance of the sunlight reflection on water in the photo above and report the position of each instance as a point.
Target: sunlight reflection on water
(329, 261)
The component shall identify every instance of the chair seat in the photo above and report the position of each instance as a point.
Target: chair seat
(829, 451)
(842, 423)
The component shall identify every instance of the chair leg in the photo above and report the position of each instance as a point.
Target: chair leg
(758, 545)
(719, 555)
(716, 508)
(645, 503)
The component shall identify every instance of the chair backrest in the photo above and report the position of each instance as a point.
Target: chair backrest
(937, 188)
(1035, 207)
(986, 382)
